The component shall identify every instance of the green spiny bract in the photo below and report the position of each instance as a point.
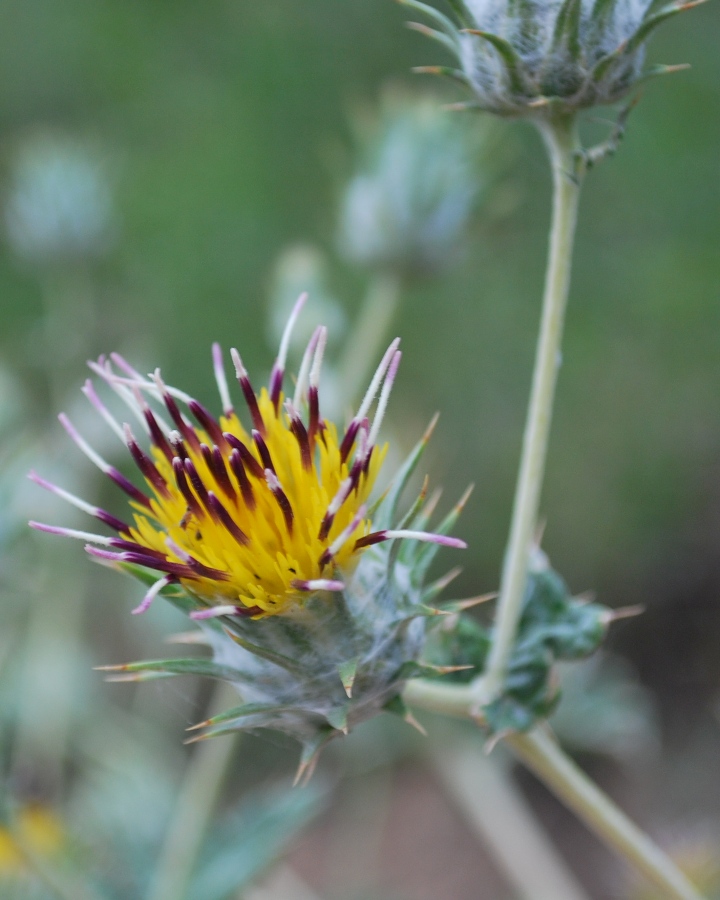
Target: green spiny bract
(547, 57)
(554, 626)
(341, 658)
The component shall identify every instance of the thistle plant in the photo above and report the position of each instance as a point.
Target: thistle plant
(545, 62)
(312, 601)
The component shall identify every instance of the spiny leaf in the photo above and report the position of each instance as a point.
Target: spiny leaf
(427, 553)
(434, 35)
(347, 672)
(396, 707)
(651, 22)
(383, 515)
(203, 667)
(311, 753)
(239, 712)
(461, 11)
(439, 18)
(567, 27)
(437, 587)
(338, 717)
(444, 72)
(513, 63)
(279, 659)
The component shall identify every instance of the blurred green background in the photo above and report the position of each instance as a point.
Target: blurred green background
(223, 131)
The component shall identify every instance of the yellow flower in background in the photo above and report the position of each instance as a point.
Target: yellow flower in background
(39, 829)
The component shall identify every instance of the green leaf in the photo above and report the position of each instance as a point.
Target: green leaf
(347, 672)
(440, 19)
(239, 712)
(506, 51)
(567, 28)
(651, 22)
(384, 513)
(434, 35)
(247, 843)
(203, 667)
(290, 665)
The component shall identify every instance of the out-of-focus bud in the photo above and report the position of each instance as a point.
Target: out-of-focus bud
(59, 207)
(538, 59)
(420, 173)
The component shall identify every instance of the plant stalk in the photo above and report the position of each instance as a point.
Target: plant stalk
(563, 145)
(194, 808)
(541, 753)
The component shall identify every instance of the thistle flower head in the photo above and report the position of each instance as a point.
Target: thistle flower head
(262, 533)
(544, 57)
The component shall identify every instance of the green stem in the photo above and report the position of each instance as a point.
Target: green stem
(194, 808)
(369, 333)
(562, 143)
(539, 751)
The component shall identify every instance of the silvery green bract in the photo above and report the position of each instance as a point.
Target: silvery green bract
(540, 57)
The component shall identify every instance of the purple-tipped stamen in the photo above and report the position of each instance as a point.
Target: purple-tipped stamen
(184, 488)
(216, 464)
(207, 421)
(246, 456)
(72, 533)
(248, 392)
(221, 379)
(104, 371)
(304, 373)
(384, 397)
(278, 370)
(157, 436)
(314, 424)
(262, 448)
(197, 483)
(301, 436)
(95, 511)
(377, 537)
(281, 497)
(227, 521)
(317, 584)
(337, 501)
(185, 429)
(238, 469)
(215, 611)
(89, 390)
(342, 538)
(178, 446)
(349, 439)
(140, 559)
(152, 594)
(367, 402)
(145, 464)
(197, 567)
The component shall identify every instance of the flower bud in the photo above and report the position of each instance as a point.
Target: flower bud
(419, 176)
(547, 57)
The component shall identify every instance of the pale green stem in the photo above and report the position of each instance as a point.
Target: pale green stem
(485, 792)
(562, 143)
(369, 334)
(539, 751)
(194, 807)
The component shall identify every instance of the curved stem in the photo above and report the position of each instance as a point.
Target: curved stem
(194, 808)
(539, 751)
(562, 143)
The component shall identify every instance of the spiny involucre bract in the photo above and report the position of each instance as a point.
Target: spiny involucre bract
(547, 57)
(312, 602)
